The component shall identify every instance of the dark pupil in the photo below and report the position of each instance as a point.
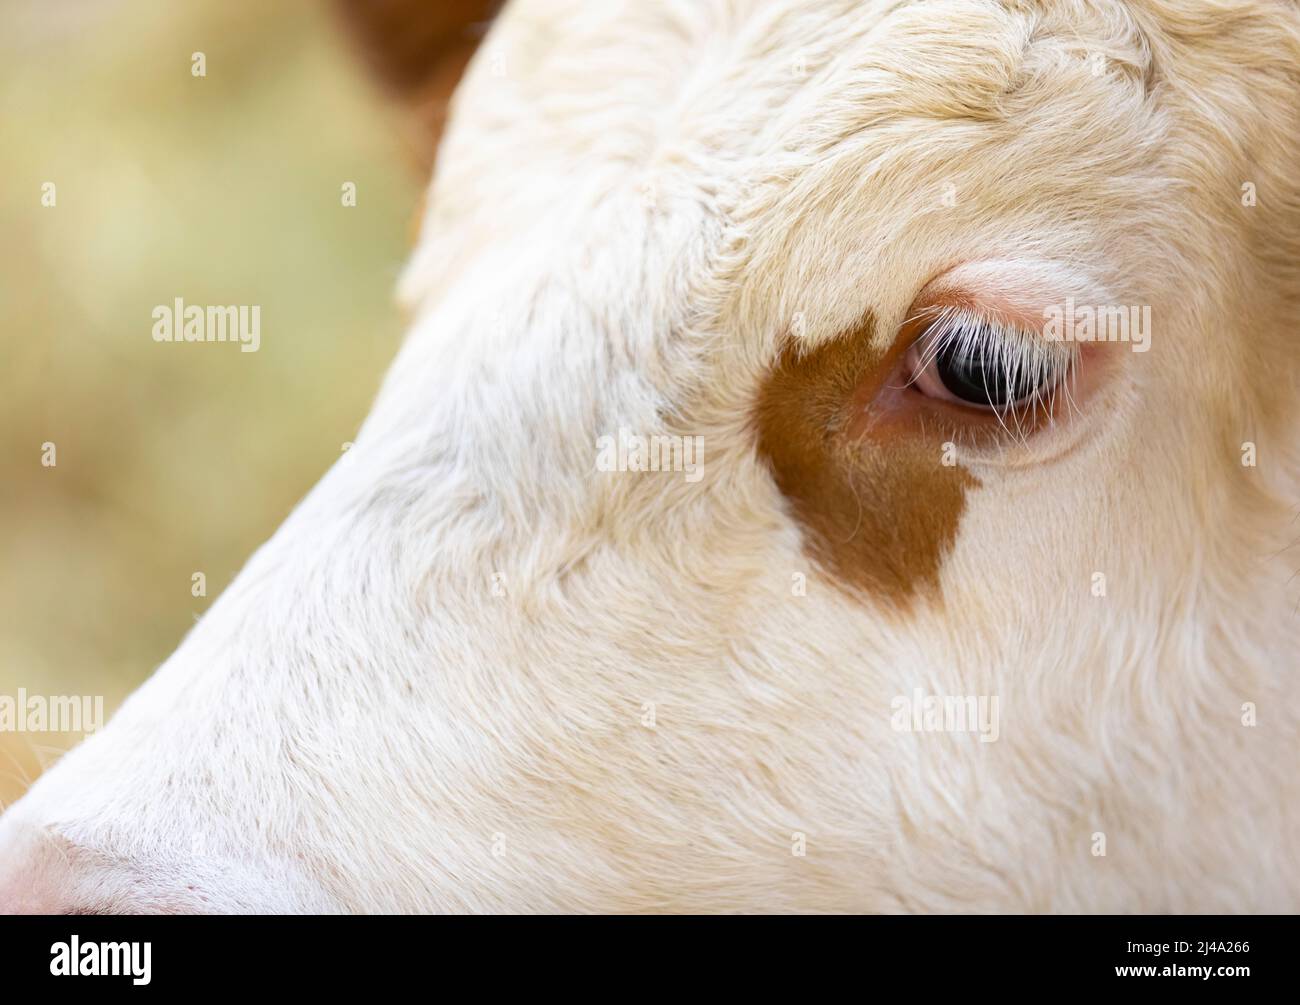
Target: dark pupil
(974, 373)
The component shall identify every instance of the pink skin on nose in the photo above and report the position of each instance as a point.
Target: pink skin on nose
(35, 871)
(43, 873)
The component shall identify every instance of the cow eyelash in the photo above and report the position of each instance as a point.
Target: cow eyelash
(980, 362)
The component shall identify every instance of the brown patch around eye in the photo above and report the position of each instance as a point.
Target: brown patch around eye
(879, 513)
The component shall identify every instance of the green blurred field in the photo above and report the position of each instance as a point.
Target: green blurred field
(173, 459)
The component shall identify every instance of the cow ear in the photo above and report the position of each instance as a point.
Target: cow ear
(417, 50)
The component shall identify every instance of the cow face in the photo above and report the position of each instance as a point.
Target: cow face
(840, 460)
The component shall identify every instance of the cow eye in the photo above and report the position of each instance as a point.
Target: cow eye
(981, 363)
(974, 376)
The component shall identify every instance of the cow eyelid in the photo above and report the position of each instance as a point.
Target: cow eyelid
(1025, 366)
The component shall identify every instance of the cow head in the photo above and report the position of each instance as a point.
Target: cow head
(843, 458)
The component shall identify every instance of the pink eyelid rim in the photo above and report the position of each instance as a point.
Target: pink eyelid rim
(925, 379)
(995, 307)
(1014, 294)
(936, 296)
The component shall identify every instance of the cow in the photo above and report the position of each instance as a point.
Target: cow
(943, 590)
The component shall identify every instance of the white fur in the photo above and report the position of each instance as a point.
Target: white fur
(620, 231)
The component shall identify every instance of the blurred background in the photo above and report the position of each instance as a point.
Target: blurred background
(221, 189)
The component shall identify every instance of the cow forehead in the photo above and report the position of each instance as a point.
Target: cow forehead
(732, 79)
(722, 110)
